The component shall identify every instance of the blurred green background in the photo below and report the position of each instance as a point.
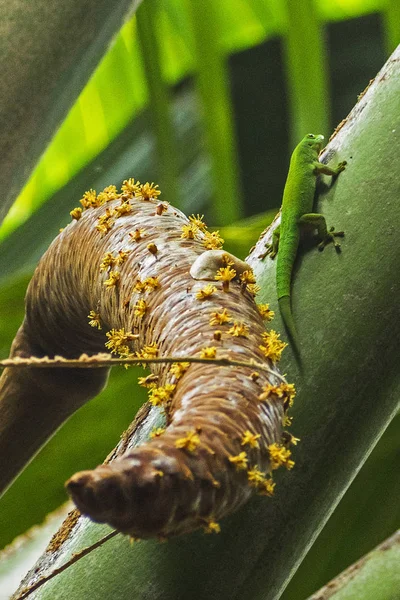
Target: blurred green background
(210, 109)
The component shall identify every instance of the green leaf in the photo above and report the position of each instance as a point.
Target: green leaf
(49, 51)
(374, 576)
(130, 154)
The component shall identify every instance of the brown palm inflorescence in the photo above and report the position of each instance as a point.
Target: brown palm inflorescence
(126, 263)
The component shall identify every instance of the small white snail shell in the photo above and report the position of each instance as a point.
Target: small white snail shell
(206, 265)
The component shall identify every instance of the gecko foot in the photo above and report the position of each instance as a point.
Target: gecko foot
(341, 167)
(268, 252)
(330, 238)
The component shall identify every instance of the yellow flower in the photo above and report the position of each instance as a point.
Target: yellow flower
(139, 286)
(107, 261)
(190, 442)
(156, 432)
(89, 199)
(266, 487)
(287, 421)
(118, 340)
(137, 234)
(140, 309)
(105, 221)
(122, 256)
(206, 292)
(247, 277)
(105, 227)
(212, 241)
(293, 440)
(109, 193)
(225, 274)
(220, 318)
(266, 313)
(130, 188)
(112, 280)
(283, 390)
(279, 455)
(255, 476)
(95, 319)
(227, 261)
(253, 289)
(149, 190)
(160, 396)
(124, 208)
(147, 285)
(212, 527)
(210, 352)
(238, 330)
(178, 369)
(107, 216)
(249, 438)
(189, 231)
(197, 221)
(76, 213)
(150, 381)
(149, 351)
(273, 346)
(240, 461)
(151, 283)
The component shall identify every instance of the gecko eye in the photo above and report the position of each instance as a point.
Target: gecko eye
(311, 136)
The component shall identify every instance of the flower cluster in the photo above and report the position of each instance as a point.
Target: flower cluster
(94, 319)
(219, 318)
(212, 240)
(283, 390)
(207, 291)
(266, 313)
(208, 352)
(139, 310)
(189, 442)
(118, 340)
(273, 346)
(113, 279)
(161, 396)
(238, 330)
(225, 274)
(147, 285)
(178, 369)
(189, 231)
(280, 456)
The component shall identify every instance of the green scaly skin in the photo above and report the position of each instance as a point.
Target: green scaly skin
(297, 205)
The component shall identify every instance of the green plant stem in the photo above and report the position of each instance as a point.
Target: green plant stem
(391, 18)
(213, 85)
(41, 79)
(306, 70)
(375, 576)
(159, 97)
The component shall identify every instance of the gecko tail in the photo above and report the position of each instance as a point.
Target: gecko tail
(285, 309)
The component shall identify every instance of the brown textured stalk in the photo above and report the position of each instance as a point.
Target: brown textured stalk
(34, 403)
(184, 478)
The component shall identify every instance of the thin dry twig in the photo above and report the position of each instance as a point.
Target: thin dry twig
(106, 360)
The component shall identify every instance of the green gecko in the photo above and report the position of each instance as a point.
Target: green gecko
(297, 205)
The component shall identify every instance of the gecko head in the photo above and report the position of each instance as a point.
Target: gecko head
(315, 141)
